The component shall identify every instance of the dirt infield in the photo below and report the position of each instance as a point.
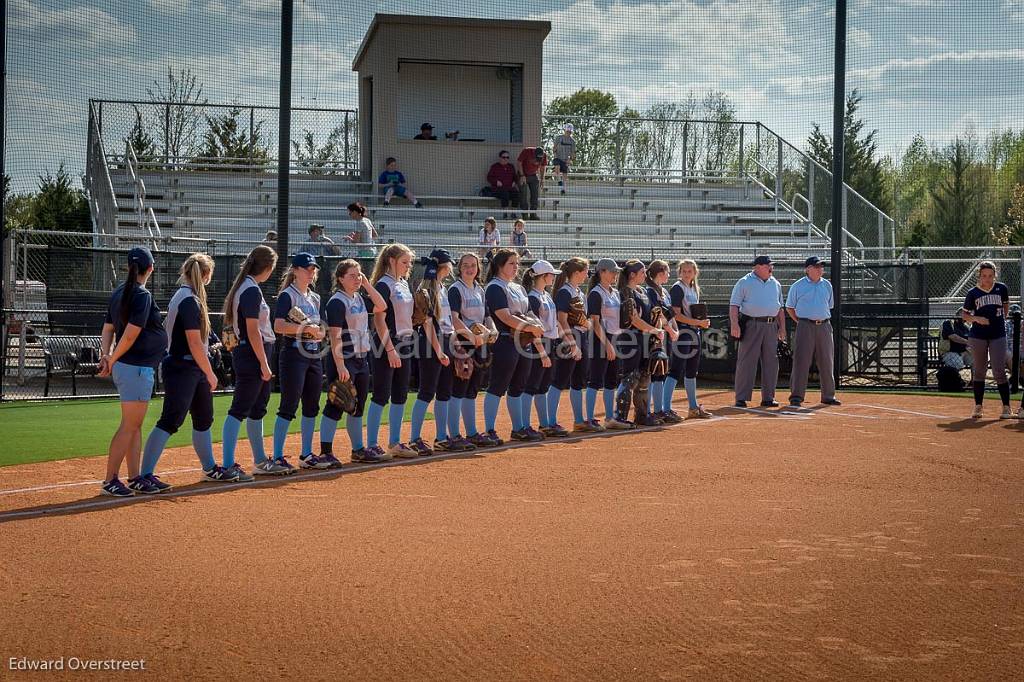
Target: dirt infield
(881, 539)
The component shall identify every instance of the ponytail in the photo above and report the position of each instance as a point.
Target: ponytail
(653, 270)
(528, 278)
(498, 261)
(569, 268)
(389, 253)
(193, 273)
(131, 284)
(260, 259)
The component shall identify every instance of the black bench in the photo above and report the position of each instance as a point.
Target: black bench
(73, 356)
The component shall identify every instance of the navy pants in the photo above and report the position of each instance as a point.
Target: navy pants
(510, 368)
(301, 375)
(569, 373)
(468, 388)
(252, 393)
(435, 380)
(629, 347)
(186, 391)
(538, 379)
(685, 355)
(359, 369)
(604, 373)
(390, 385)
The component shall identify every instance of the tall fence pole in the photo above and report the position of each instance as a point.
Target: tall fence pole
(3, 200)
(284, 131)
(838, 214)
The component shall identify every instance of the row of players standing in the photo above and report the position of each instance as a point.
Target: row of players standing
(603, 354)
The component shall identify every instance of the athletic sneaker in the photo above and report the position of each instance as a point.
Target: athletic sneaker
(615, 424)
(583, 427)
(671, 417)
(480, 440)
(368, 456)
(402, 451)
(495, 439)
(421, 448)
(1020, 412)
(977, 413)
(269, 467)
(282, 461)
(115, 488)
(140, 484)
(219, 474)
(160, 485)
(554, 431)
(527, 435)
(311, 461)
(699, 413)
(241, 475)
(331, 461)
(442, 445)
(460, 444)
(598, 426)
(648, 420)
(1006, 413)
(534, 433)
(381, 454)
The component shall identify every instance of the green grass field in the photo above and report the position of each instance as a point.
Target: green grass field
(39, 432)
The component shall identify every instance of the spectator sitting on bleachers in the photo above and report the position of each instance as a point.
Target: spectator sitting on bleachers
(426, 133)
(953, 344)
(518, 239)
(364, 234)
(504, 182)
(490, 238)
(392, 183)
(531, 163)
(319, 243)
(270, 239)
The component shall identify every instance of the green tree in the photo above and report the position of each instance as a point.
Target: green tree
(229, 139)
(58, 205)
(956, 212)
(593, 114)
(17, 207)
(1012, 233)
(322, 159)
(863, 172)
(140, 139)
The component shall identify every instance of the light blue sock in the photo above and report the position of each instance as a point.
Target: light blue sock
(691, 391)
(373, 414)
(280, 433)
(454, 412)
(354, 426)
(328, 427)
(657, 392)
(419, 413)
(540, 403)
(229, 439)
(395, 415)
(609, 402)
(491, 403)
(254, 429)
(591, 403)
(154, 448)
(202, 441)
(307, 427)
(469, 416)
(576, 400)
(670, 389)
(526, 409)
(554, 396)
(515, 411)
(441, 408)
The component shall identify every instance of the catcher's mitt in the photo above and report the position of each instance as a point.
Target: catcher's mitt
(463, 367)
(342, 394)
(483, 359)
(659, 363)
(784, 351)
(490, 333)
(657, 316)
(421, 308)
(698, 311)
(577, 315)
(626, 312)
(229, 339)
(526, 336)
(298, 316)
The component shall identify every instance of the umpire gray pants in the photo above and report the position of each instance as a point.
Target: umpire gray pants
(813, 342)
(759, 343)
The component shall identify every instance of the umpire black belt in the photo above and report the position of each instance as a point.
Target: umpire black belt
(809, 320)
(762, 319)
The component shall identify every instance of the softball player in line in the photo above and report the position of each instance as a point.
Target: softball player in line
(657, 277)
(466, 300)
(536, 281)
(686, 352)
(632, 348)
(349, 331)
(189, 381)
(603, 304)
(570, 361)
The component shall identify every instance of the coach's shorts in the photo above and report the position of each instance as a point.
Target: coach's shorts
(563, 165)
(134, 384)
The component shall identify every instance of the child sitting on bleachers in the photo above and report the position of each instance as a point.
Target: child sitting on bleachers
(392, 183)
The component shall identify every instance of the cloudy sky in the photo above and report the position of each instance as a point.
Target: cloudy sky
(937, 67)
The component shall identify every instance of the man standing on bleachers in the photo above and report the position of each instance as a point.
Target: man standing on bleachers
(565, 151)
(531, 162)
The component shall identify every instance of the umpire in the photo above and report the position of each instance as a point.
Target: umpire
(757, 320)
(810, 304)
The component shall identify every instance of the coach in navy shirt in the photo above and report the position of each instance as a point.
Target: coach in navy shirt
(986, 307)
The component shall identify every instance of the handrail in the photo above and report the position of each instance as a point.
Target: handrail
(258, 107)
(810, 225)
(101, 188)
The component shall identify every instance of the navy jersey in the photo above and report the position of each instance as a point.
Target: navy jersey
(183, 315)
(250, 305)
(643, 303)
(151, 344)
(348, 313)
(468, 302)
(501, 294)
(988, 304)
(659, 297)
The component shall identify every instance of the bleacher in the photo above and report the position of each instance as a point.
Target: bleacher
(601, 215)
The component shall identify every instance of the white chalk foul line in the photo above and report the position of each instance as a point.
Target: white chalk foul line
(56, 486)
(777, 415)
(827, 413)
(896, 409)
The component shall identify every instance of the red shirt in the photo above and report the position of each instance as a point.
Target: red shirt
(529, 162)
(505, 173)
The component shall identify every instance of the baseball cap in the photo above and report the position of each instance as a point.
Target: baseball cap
(813, 260)
(426, 126)
(607, 264)
(543, 267)
(569, 128)
(538, 153)
(441, 256)
(304, 260)
(140, 256)
(763, 260)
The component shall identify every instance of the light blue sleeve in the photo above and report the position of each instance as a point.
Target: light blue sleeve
(738, 292)
(831, 297)
(792, 296)
(780, 293)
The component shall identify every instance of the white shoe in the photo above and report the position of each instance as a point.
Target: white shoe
(616, 425)
(978, 412)
(1020, 413)
(1006, 413)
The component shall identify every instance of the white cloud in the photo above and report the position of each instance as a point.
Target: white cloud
(1015, 8)
(89, 26)
(860, 39)
(933, 42)
(170, 6)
